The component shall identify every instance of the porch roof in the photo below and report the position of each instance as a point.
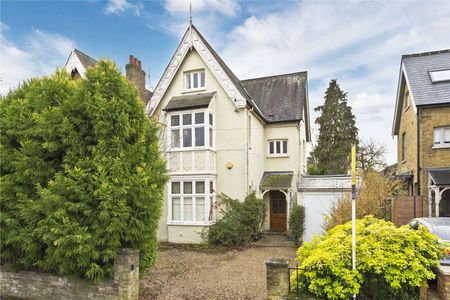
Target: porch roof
(440, 176)
(276, 180)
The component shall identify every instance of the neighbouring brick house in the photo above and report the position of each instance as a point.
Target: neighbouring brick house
(422, 126)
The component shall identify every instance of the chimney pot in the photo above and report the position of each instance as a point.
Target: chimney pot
(139, 63)
(131, 59)
(135, 61)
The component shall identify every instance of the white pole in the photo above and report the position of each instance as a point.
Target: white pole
(354, 210)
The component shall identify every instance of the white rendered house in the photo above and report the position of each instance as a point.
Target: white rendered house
(220, 134)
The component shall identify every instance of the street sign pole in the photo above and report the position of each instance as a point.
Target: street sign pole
(354, 210)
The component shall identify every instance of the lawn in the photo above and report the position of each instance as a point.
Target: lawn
(189, 272)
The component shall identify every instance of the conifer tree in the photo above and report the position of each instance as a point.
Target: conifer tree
(337, 132)
(81, 174)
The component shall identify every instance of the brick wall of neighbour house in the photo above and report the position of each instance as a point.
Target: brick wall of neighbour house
(432, 157)
(408, 125)
(35, 285)
(403, 209)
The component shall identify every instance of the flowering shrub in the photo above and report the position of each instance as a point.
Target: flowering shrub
(391, 261)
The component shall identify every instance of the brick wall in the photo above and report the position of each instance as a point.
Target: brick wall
(403, 209)
(34, 285)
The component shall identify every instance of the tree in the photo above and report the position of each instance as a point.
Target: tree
(370, 156)
(81, 174)
(337, 132)
(374, 197)
(391, 262)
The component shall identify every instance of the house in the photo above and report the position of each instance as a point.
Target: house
(422, 126)
(221, 134)
(78, 63)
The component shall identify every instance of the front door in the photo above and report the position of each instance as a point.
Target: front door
(277, 211)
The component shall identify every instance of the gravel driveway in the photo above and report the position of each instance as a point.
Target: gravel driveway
(190, 273)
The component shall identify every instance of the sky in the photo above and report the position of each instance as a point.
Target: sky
(359, 43)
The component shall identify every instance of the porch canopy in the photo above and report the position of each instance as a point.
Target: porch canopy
(276, 181)
(438, 182)
(199, 100)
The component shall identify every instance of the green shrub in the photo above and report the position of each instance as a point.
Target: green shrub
(81, 174)
(391, 261)
(241, 223)
(297, 222)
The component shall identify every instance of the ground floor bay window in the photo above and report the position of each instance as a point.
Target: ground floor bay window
(191, 201)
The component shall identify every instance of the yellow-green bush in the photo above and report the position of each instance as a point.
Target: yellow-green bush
(391, 261)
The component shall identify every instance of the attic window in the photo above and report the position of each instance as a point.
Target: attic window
(439, 76)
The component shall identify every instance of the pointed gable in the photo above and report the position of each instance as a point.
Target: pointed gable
(78, 62)
(192, 39)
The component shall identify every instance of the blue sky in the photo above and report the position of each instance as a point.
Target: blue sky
(358, 42)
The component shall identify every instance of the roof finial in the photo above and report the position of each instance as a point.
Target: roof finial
(190, 13)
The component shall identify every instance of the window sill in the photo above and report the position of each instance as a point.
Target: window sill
(278, 156)
(403, 161)
(440, 147)
(193, 90)
(191, 149)
(406, 108)
(183, 223)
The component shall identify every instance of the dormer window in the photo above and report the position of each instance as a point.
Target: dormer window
(194, 80)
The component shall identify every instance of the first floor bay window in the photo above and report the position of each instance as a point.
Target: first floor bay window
(191, 130)
(190, 201)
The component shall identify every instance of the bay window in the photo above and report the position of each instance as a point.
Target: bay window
(191, 200)
(191, 130)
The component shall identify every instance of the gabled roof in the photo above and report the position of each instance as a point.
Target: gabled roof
(415, 73)
(280, 98)
(79, 61)
(85, 59)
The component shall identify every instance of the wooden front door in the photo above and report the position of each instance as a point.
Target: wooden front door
(277, 211)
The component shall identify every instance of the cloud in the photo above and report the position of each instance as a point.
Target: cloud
(343, 40)
(116, 7)
(37, 56)
(225, 7)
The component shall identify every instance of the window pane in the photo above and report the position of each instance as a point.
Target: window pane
(187, 137)
(188, 81)
(284, 146)
(187, 207)
(187, 187)
(200, 208)
(271, 147)
(446, 135)
(175, 187)
(175, 138)
(199, 187)
(202, 79)
(187, 119)
(195, 80)
(278, 147)
(210, 137)
(175, 120)
(210, 119)
(437, 136)
(175, 208)
(211, 187)
(200, 136)
(199, 118)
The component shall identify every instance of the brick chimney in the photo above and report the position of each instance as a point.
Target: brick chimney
(136, 75)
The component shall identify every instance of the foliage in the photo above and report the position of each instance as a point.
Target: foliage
(370, 156)
(391, 261)
(81, 174)
(374, 197)
(337, 132)
(297, 222)
(313, 169)
(241, 223)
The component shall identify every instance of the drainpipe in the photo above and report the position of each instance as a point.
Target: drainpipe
(418, 117)
(247, 147)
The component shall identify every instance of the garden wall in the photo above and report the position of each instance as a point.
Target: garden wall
(403, 209)
(35, 285)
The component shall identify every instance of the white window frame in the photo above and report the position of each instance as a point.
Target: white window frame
(275, 154)
(191, 80)
(441, 143)
(208, 143)
(407, 100)
(209, 196)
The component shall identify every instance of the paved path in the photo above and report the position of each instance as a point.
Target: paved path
(274, 240)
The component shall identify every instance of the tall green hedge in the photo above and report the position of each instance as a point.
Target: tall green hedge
(81, 174)
(297, 222)
(391, 262)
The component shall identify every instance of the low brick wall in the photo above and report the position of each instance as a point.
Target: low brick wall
(35, 285)
(443, 281)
